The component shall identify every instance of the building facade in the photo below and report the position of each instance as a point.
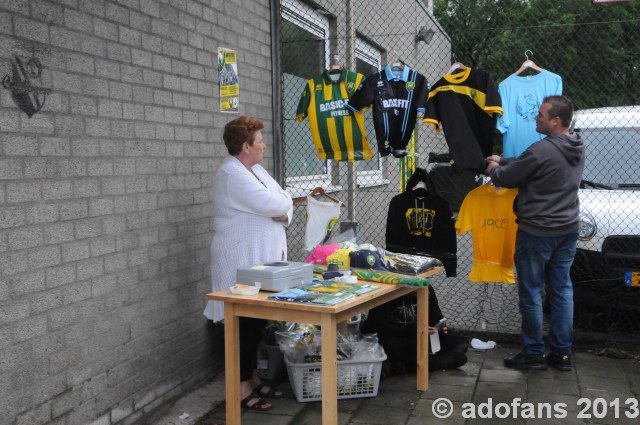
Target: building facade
(110, 135)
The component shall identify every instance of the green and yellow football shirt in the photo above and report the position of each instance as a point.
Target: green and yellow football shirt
(337, 132)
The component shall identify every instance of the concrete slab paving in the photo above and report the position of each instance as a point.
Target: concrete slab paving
(380, 415)
(499, 390)
(425, 408)
(600, 381)
(570, 401)
(552, 374)
(451, 392)
(502, 376)
(555, 386)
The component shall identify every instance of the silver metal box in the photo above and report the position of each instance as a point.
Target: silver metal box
(276, 276)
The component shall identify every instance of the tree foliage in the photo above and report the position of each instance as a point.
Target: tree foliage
(594, 47)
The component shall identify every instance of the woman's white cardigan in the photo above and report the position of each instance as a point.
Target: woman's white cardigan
(244, 232)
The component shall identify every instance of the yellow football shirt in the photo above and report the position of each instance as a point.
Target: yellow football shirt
(487, 212)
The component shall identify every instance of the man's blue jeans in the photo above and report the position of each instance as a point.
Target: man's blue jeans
(539, 259)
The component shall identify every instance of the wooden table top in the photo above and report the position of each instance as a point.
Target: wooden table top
(261, 298)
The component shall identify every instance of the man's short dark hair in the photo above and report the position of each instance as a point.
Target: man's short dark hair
(561, 107)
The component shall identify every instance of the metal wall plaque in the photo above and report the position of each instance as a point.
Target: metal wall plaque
(29, 97)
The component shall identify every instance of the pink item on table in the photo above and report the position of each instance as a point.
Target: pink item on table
(321, 252)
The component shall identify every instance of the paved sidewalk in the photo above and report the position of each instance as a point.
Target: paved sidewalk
(483, 381)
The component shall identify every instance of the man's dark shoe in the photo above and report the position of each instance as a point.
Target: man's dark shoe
(559, 361)
(520, 361)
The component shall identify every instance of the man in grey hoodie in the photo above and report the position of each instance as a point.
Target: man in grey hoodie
(547, 176)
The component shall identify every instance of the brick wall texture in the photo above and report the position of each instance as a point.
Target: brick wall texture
(105, 200)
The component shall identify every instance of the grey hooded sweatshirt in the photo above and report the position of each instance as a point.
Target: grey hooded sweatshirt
(547, 176)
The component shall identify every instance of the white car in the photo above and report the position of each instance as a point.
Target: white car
(609, 244)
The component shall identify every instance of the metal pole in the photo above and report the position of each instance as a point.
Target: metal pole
(276, 95)
(351, 64)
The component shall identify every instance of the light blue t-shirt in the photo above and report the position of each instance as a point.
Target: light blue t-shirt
(521, 98)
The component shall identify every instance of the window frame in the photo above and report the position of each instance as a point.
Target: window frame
(316, 23)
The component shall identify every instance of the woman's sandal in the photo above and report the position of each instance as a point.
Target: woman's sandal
(260, 405)
(272, 393)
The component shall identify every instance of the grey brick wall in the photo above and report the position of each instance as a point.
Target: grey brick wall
(105, 201)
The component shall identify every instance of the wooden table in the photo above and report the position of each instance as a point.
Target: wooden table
(258, 306)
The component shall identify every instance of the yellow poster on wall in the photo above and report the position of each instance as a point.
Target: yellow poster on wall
(228, 80)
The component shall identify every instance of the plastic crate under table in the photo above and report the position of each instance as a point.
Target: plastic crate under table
(356, 378)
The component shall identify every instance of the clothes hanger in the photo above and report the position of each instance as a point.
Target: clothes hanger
(457, 65)
(396, 64)
(419, 185)
(486, 181)
(318, 191)
(335, 66)
(528, 63)
(423, 178)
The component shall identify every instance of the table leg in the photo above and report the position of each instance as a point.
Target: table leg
(423, 339)
(329, 370)
(232, 364)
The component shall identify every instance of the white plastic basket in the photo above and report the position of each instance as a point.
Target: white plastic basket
(355, 378)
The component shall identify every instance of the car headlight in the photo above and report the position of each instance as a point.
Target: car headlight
(588, 226)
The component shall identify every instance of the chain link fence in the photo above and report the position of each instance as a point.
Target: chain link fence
(594, 48)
